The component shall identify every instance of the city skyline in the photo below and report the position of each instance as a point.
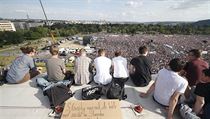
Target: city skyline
(109, 10)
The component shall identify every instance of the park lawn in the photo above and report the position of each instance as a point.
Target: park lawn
(6, 60)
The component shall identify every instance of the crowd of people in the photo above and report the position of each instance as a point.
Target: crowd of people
(162, 48)
(181, 71)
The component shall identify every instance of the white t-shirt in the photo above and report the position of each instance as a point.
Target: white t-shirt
(167, 83)
(102, 65)
(120, 67)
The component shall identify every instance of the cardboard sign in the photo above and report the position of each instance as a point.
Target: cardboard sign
(92, 109)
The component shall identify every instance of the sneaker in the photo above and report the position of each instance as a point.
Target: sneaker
(54, 114)
(184, 109)
(124, 97)
(191, 115)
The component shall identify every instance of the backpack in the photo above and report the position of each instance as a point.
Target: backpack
(3, 74)
(115, 91)
(91, 92)
(58, 94)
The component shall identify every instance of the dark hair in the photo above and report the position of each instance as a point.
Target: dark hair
(195, 52)
(100, 51)
(117, 53)
(143, 49)
(176, 65)
(27, 50)
(54, 50)
(206, 72)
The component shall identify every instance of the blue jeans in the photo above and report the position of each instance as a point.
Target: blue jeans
(45, 84)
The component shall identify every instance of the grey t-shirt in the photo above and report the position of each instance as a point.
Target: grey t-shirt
(20, 66)
(55, 68)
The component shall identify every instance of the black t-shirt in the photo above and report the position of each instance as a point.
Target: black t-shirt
(142, 70)
(203, 90)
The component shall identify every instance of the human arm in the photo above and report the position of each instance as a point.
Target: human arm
(131, 66)
(112, 68)
(149, 91)
(182, 73)
(198, 104)
(63, 68)
(172, 104)
(131, 69)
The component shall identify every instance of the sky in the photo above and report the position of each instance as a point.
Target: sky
(109, 10)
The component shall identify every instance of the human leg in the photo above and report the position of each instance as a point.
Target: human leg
(33, 73)
(207, 111)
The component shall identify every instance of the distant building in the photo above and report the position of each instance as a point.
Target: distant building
(6, 26)
(27, 25)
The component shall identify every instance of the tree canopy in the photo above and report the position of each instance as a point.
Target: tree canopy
(63, 30)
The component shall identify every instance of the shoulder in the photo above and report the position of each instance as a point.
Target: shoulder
(134, 59)
(113, 59)
(89, 58)
(108, 59)
(124, 58)
(203, 85)
(27, 57)
(182, 80)
(55, 60)
(163, 70)
(202, 88)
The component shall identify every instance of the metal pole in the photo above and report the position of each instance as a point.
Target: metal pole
(47, 23)
(44, 12)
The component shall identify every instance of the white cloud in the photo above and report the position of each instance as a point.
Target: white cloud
(20, 11)
(134, 3)
(89, 1)
(187, 4)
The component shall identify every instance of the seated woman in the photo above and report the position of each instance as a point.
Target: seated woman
(23, 67)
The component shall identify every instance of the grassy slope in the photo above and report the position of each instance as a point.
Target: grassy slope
(6, 60)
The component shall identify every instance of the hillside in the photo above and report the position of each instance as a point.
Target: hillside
(202, 23)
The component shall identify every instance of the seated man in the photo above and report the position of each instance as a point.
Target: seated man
(202, 92)
(23, 67)
(168, 86)
(193, 71)
(82, 69)
(102, 65)
(55, 66)
(141, 68)
(119, 65)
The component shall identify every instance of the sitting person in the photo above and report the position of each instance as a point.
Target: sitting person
(82, 69)
(202, 92)
(193, 71)
(119, 65)
(56, 69)
(23, 67)
(169, 85)
(102, 65)
(141, 68)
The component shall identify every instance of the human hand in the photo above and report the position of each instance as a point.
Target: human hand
(39, 69)
(143, 95)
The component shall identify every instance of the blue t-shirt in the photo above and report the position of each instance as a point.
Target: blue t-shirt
(19, 68)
